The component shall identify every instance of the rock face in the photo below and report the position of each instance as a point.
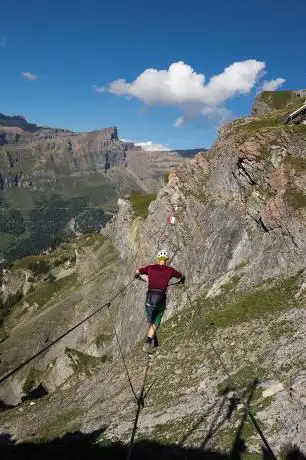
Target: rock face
(50, 176)
(29, 159)
(243, 202)
(240, 239)
(18, 122)
(32, 156)
(269, 102)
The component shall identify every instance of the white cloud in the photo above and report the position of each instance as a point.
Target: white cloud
(151, 147)
(180, 86)
(29, 75)
(179, 122)
(98, 89)
(273, 85)
(3, 41)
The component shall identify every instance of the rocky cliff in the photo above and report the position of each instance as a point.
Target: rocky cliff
(269, 102)
(49, 177)
(239, 237)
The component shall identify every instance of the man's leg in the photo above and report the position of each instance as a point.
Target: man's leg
(152, 330)
(156, 320)
(155, 307)
(149, 340)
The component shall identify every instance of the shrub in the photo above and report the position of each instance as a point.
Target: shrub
(39, 267)
(140, 203)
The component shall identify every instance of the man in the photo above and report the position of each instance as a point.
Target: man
(159, 276)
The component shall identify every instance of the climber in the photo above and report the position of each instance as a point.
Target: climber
(159, 276)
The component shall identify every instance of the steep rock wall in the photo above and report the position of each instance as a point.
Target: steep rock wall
(239, 208)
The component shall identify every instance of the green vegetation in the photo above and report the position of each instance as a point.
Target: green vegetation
(48, 291)
(243, 377)
(11, 221)
(170, 432)
(242, 264)
(297, 163)
(253, 126)
(39, 267)
(6, 306)
(30, 381)
(166, 177)
(103, 339)
(296, 198)
(279, 99)
(224, 438)
(68, 420)
(140, 203)
(91, 240)
(231, 308)
(6, 240)
(82, 362)
(42, 217)
(224, 311)
(26, 262)
(41, 264)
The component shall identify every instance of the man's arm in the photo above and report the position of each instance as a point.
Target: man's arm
(142, 271)
(177, 274)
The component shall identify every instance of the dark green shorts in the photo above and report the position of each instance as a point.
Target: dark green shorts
(154, 316)
(155, 306)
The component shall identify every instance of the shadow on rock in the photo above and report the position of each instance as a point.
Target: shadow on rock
(77, 446)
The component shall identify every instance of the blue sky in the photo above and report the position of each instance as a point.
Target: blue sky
(73, 45)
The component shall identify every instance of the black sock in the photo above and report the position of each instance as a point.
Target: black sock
(149, 340)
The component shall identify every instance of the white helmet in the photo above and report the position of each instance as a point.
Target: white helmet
(162, 254)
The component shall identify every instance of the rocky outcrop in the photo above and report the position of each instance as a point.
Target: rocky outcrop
(239, 204)
(17, 121)
(30, 153)
(269, 102)
(27, 158)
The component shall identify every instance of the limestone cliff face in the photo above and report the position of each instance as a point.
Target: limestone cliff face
(28, 156)
(58, 176)
(239, 207)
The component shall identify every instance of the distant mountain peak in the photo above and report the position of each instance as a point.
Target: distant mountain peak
(17, 121)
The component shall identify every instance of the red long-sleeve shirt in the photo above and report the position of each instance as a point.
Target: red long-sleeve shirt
(159, 275)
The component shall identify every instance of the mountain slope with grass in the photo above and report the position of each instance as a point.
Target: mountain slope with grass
(237, 328)
(54, 182)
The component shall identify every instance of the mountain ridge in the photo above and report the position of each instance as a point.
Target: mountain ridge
(82, 175)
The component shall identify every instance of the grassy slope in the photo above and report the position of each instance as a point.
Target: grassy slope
(281, 99)
(47, 291)
(188, 358)
(184, 339)
(42, 216)
(140, 203)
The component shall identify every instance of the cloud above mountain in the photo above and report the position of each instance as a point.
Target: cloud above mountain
(181, 87)
(29, 76)
(148, 146)
(151, 146)
(273, 85)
